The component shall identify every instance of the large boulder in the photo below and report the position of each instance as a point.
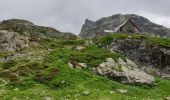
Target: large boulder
(124, 71)
(12, 41)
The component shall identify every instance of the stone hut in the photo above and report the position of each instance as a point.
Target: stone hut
(126, 27)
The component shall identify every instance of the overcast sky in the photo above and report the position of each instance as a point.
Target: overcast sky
(69, 15)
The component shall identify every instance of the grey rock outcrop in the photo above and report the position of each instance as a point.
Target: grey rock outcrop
(17, 34)
(124, 71)
(77, 65)
(152, 58)
(12, 41)
(92, 29)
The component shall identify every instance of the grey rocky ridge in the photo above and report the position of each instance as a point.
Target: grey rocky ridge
(16, 34)
(96, 28)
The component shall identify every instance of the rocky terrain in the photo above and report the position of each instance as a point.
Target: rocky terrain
(124, 71)
(16, 34)
(96, 28)
(150, 53)
(42, 63)
(12, 41)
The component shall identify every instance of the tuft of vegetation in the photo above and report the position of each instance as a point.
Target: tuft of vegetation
(9, 64)
(160, 41)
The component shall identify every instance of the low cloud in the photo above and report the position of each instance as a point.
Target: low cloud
(69, 15)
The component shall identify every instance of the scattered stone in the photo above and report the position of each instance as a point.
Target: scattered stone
(16, 89)
(111, 92)
(85, 93)
(43, 91)
(70, 65)
(62, 82)
(89, 42)
(77, 95)
(167, 98)
(14, 98)
(47, 98)
(123, 91)
(77, 65)
(83, 65)
(27, 98)
(80, 48)
(99, 71)
(166, 77)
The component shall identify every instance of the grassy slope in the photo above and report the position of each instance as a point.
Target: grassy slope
(70, 83)
(156, 40)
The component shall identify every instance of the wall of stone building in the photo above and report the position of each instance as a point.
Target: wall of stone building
(129, 28)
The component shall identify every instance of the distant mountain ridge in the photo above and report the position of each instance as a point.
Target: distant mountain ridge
(17, 34)
(94, 28)
(25, 27)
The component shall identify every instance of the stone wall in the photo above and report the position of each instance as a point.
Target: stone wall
(129, 27)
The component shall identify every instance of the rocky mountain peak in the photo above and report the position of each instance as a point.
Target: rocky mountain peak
(88, 22)
(108, 23)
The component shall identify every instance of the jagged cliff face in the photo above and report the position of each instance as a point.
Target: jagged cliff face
(150, 55)
(144, 54)
(92, 29)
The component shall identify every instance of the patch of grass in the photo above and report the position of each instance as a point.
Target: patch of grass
(160, 41)
(3, 54)
(1, 64)
(13, 78)
(106, 40)
(91, 55)
(9, 64)
(46, 76)
(53, 43)
(70, 82)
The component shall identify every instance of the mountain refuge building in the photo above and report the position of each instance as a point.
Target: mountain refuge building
(125, 27)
